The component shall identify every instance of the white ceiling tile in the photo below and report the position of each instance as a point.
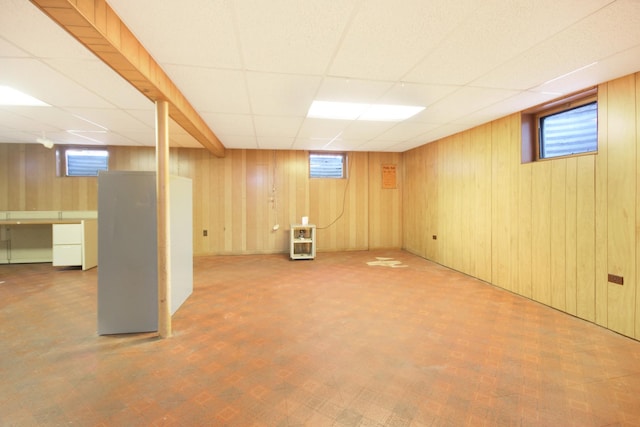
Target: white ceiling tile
(614, 66)
(291, 36)
(486, 38)
(23, 24)
(351, 90)
(612, 29)
(58, 118)
(273, 142)
(112, 88)
(386, 39)
(270, 126)
(416, 94)
(463, 102)
(20, 118)
(165, 30)
(311, 143)
(41, 81)
(9, 50)
(403, 131)
(238, 141)
(112, 119)
(363, 130)
(10, 136)
(322, 128)
(212, 90)
(230, 124)
(281, 95)
(378, 145)
(343, 145)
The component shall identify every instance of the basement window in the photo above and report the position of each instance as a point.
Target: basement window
(327, 165)
(83, 162)
(569, 131)
(564, 127)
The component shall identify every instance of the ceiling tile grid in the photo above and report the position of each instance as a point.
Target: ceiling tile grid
(251, 68)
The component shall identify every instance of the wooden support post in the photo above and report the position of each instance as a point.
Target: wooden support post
(164, 234)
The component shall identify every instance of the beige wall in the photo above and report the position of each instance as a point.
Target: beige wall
(232, 195)
(552, 230)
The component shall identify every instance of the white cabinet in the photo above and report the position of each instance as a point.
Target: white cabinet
(302, 241)
(75, 244)
(28, 236)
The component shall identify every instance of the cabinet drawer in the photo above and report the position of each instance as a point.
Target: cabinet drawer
(67, 234)
(67, 255)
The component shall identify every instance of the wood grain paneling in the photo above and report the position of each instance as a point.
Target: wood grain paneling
(502, 204)
(237, 199)
(526, 213)
(621, 203)
(601, 220)
(558, 236)
(557, 227)
(420, 201)
(570, 232)
(637, 219)
(414, 199)
(480, 212)
(339, 207)
(541, 233)
(585, 289)
(385, 205)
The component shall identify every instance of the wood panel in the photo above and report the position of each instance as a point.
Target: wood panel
(450, 177)
(525, 254)
(585, 289)
(503, 206)
(385, 204)
(541, 232)
(601, 197)
(570, 233)
(621, 204)
(480, 213)
(431, 245)
(339, 207)
(558, 233)
(637, 195)
(414, 199)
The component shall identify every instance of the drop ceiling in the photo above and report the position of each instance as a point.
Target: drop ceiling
(252, 68)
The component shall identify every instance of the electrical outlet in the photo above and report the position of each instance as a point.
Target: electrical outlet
(618, 280)
(205, 233)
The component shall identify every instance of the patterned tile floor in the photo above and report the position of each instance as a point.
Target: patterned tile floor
(264, 341)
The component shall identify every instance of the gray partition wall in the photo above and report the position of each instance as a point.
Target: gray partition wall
(127, 250)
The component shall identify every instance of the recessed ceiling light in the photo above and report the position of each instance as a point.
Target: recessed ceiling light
(10, 96)
(357, 111)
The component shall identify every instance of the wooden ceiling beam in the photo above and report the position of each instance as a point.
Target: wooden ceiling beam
(94, 24)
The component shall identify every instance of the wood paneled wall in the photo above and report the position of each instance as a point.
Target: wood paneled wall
(238, 199)
(552, 230)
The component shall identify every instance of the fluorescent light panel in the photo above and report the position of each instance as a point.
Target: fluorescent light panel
(357, 111)
(10, 96)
